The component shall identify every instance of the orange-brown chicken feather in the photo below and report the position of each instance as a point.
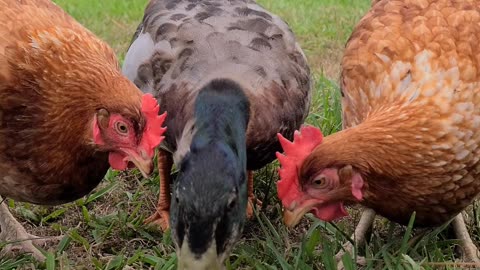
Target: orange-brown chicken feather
(55, 77)
(411, 115)
(411, 92)
(410, 96)
(66, 112)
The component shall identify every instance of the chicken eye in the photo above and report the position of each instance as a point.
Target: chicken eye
(319, 182)
(121, 127)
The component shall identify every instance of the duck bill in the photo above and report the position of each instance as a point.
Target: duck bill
(207, 261)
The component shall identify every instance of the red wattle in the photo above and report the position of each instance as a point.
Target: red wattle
(329, 212)
(117, 161)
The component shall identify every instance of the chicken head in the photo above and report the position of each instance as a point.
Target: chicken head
(323, 190)
(129, 142)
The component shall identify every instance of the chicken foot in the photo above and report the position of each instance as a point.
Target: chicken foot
(18, 238)
(252, 200)
(161, 217)
(359, 236)
(469, 249)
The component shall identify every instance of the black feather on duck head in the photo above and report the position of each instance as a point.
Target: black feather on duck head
(208, 208)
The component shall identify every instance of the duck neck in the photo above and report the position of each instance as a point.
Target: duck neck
(221, 117)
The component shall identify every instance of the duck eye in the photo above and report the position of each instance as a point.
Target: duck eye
(121, 127)
(231, 203)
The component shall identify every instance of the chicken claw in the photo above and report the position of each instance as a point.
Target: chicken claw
(365, 223)
(18, 238)
(252, 200)
(160, 218)
(469, 249)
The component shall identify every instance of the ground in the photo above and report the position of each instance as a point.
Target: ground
(105, 229)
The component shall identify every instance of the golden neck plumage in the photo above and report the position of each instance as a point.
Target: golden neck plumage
(393, 143)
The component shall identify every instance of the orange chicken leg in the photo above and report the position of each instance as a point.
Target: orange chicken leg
(251, 197)
(161, 216)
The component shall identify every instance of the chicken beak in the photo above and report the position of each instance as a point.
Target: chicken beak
(292, 217)
(144, 166)
(141, 161)
(321, 209)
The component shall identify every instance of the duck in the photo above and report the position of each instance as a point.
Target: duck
(231, 75)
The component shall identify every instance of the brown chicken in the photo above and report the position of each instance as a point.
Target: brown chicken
(66, 111)
(411, 115)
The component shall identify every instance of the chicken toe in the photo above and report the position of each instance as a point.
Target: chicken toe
(160, 218)
(470, 251)
(359, 236)
(252, 200)
(250, 206)
(17, 237)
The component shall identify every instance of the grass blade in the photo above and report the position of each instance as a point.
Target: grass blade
(64, 243)
(50, 261)
(95, 196)
(406, 236)
(55, 214)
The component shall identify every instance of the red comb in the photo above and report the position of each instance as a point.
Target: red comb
(152, 135)
(295, 153)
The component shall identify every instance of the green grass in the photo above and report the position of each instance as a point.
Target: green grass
(105, 230)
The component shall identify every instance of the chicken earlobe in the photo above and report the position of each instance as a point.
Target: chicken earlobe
(99, 120)
(347, 172)
(357, 185)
